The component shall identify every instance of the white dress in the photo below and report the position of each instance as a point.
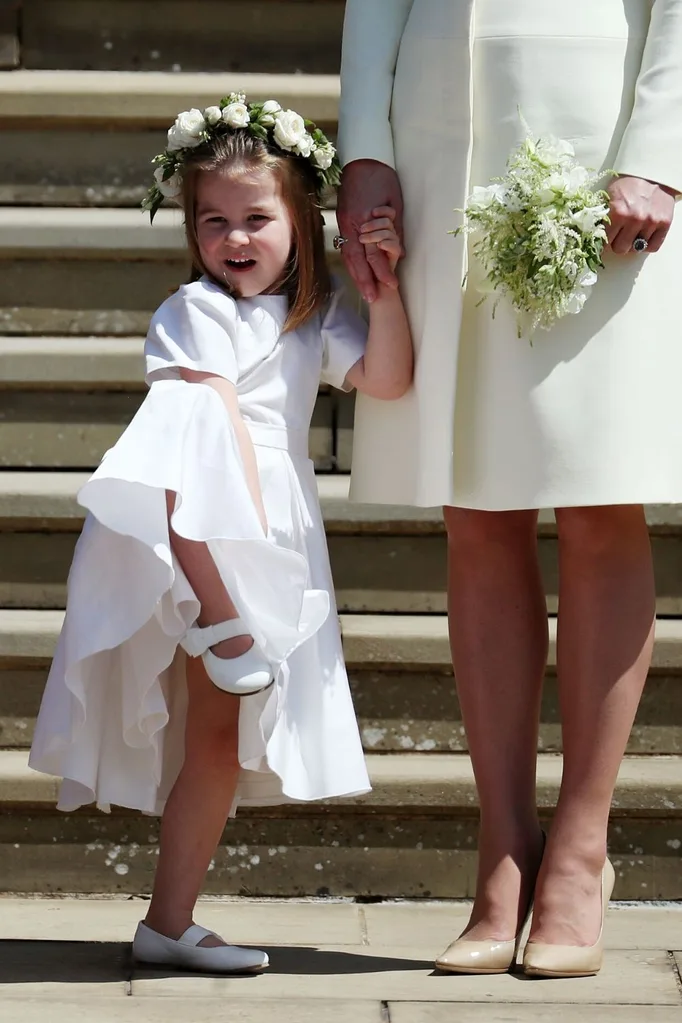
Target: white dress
(590, 415)
(112, 719)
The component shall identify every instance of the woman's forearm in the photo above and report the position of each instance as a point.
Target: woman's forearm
(651, 147)
(372, 32)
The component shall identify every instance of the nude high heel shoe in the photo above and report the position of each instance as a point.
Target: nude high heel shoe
(242, 676)
(485, 957)
(543, 960)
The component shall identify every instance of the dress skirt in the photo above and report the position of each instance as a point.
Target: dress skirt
(113, 714)
(591, 413)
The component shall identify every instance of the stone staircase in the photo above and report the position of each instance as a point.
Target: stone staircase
(90, 87)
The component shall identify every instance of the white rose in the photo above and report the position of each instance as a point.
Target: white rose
(171, 187)
(235, 115)
(270, 108)
(187, 130)
(304, 146)
(289, 129)
(323, 156)
(213, 114)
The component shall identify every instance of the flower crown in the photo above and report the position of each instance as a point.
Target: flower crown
(281, 129)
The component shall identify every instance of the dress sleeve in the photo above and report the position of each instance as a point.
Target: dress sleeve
(195, 329)
(372, 32)
(344, 338)
(652, 144)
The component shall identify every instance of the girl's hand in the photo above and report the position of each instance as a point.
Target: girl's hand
(381, 231)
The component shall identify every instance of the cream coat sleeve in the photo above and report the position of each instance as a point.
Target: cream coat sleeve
(372, 32)
(652, 143)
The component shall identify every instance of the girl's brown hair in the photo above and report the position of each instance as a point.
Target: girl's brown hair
(306, 283)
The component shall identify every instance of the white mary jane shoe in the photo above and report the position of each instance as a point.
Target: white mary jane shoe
(151, 947)
(242, 676)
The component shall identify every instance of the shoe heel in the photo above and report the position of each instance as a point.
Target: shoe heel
(544, 960)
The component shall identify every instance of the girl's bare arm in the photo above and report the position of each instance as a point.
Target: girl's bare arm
(387, 367)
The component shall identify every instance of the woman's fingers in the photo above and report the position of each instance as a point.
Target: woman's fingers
(385, 211)
(639, 209)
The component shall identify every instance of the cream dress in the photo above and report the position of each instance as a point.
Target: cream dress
(591, 414)
(112, 719)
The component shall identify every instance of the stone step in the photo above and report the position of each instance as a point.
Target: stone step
(71, 364)
(401, 678)
(414, 835)
(44, 429)
(96, 272)
(287, 36)
(80, 138)
(125, 99)
(384, 559)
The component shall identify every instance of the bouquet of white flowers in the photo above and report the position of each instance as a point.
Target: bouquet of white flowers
(539, 232)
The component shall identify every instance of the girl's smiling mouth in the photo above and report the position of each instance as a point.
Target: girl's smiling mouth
(239, 265)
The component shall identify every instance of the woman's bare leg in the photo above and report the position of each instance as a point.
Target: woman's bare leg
(607, 608)
(498, 633)
(197, 809)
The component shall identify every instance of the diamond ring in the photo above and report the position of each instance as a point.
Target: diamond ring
(640, 245)
(339, 241)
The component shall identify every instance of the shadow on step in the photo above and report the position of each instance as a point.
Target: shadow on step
(91, 962)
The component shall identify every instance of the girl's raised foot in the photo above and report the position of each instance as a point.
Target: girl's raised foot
(241, 676)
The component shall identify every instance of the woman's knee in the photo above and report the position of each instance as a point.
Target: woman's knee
(469, 528)
(601, 530)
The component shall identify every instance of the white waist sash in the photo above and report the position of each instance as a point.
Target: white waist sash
(267, 435)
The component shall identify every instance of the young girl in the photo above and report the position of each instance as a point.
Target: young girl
(204, 535)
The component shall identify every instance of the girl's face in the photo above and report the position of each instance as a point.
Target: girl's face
(244, 230)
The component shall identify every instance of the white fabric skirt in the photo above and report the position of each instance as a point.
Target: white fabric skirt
(112, 718)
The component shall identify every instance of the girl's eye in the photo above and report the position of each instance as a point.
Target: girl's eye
(216, 220)
(258, 216)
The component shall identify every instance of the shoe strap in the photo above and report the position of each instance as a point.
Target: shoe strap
(197, 641)
(194, 934)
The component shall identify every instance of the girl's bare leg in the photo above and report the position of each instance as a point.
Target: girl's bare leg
(606, 630)
(198, 806)
(498, 634)
(216, 605)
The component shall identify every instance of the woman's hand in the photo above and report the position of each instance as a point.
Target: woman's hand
(639, 209)
(365, 185)
(381, 232)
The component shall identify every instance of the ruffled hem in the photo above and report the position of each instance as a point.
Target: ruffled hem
(130, 604)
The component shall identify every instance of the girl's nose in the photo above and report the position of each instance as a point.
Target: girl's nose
(237, 238)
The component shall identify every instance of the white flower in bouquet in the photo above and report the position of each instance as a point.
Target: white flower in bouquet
(187, 131)
(539, 233)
